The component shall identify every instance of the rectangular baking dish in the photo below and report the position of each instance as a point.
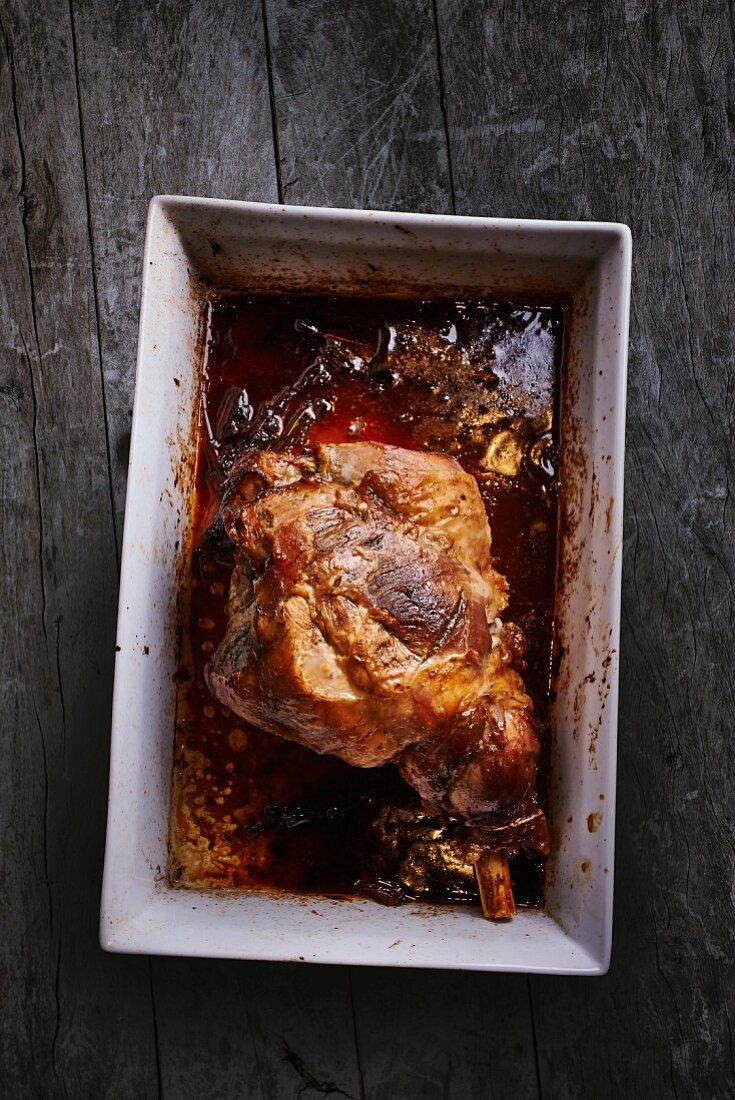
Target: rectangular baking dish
(195, 245)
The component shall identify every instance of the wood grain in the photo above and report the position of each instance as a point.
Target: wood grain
(360, 123)
(62, 1034)
(445, 1036)
(607, 111)
(357, 104)
(260, 1030)
(626, 112)
(174, 100)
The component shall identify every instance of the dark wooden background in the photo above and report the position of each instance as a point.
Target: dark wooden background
(616, 110)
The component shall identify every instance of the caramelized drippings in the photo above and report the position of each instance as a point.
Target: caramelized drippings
(476, 380)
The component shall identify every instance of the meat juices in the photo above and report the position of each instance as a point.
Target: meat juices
(250, 808)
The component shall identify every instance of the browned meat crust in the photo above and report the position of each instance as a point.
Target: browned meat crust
(364, 622)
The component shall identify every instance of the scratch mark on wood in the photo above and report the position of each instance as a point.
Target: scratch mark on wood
(309, 1081)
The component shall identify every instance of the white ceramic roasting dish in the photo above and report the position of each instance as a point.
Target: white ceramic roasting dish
(195, 243)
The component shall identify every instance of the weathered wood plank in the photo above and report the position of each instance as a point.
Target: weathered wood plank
(74, 1022)
(358, 112)
(174, 100)
(260, 1030)
(621, 111)
(444, 1036)
(360, 124)
(626, 111)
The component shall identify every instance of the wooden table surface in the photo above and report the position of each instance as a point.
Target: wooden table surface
(617, 110)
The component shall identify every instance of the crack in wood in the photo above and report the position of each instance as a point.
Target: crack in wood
(95, 289)
(272, 101)
(443, 104)
(156, 1040)
(34, 400)
(534, 1038)
(46, 875)
(57, 623)
(57, 1026)
(356, 1036)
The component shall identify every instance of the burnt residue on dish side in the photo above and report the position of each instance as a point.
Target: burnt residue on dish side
(186, 462)
(250, 809)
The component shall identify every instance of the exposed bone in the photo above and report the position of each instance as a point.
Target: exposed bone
(492, 875)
